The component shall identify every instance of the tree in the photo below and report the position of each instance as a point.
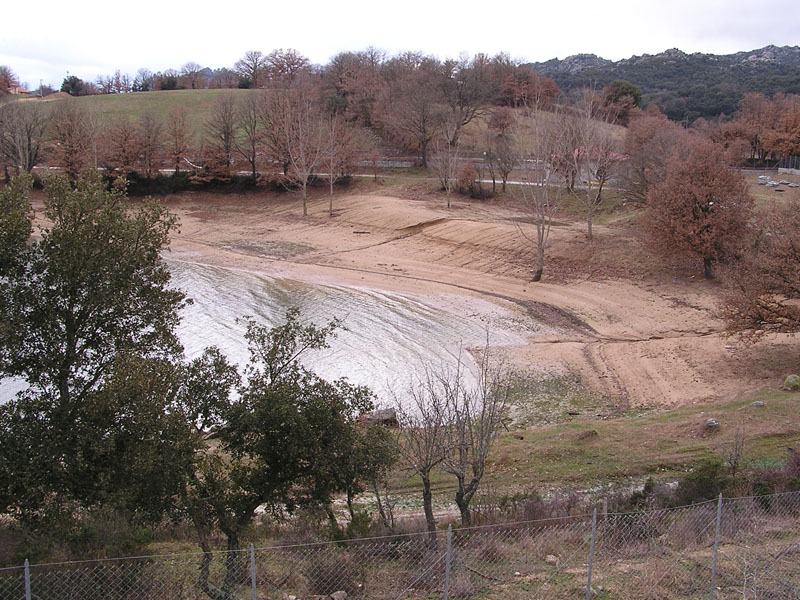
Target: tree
(73, 130)
(541, 139)
(283, 67)
(445, 159)
(304, 131)
(121, 146)
(178, 135)
(252, 67)
(220, 131)
(589, 153)
(467, 90)
(422, 438)
(82, 302)
(193, 76)
(701, 208)
(342, 144)
(282, 442)
(249, 139)
(152, 144)
(22, 135)
(650, 141)
(474, 417)
(16, 216)
(75, 86)
(763, 287)
(8, 80)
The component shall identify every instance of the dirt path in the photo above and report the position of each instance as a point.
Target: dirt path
(634, 333)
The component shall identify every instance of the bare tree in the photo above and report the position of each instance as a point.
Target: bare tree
(467, 90)
(121, 146)
(220, 132)
(250, 136)
(193, 77)
(150, 130)
(474, 418)
(252, 66)
(275, 109)
(283, 67)
(343, 144)
(590, 154)
(540, 139)
(22, 135)
(446, 147)
(423, 436)
(305, 142)
(178, 135)
(71, 130)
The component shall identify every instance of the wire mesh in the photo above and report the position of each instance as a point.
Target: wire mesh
(653, 554)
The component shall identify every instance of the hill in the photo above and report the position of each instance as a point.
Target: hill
(686, 86)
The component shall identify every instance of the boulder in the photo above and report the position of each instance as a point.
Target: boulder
(386, 417)
(551, 559)
(340, 595)
(758, 404)
(711, 425)
(792, 383)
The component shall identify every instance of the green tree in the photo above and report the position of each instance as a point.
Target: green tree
(282, 442)
(87, 321)
(16, 217)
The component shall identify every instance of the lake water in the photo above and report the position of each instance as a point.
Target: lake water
(388, 339)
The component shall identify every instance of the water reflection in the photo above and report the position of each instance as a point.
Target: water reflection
(388, 339)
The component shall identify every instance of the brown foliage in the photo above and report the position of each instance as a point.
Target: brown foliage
(650, 141)
(701, 208)
(120, 147)
(764, 286)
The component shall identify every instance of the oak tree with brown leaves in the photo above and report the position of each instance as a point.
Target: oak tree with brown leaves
(701, 208)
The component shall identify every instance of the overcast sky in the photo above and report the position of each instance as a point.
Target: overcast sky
(46, 39)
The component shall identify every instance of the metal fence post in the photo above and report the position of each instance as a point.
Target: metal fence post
(591, 556)
(27, 580)
(448, 559)
(716, 548)
(253, 594)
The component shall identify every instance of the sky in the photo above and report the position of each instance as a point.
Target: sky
(51, 38)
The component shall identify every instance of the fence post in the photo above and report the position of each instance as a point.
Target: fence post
(27, 580)
(716, 548)
(447, 560)
(253, 573)
(591, 556)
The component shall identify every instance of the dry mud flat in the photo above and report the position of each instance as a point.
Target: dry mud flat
(647, 340)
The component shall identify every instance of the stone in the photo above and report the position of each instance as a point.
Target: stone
(386, 417)
(792, 383)
(758, 404)
(340, 595)
(551, 560)
(711, 425)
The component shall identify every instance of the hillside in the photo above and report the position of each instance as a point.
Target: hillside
(686, 86)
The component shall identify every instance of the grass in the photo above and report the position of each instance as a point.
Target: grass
(197, 103)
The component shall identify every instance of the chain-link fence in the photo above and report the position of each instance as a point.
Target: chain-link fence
(745, 548)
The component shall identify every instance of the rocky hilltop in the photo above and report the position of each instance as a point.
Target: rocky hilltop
(686, 86)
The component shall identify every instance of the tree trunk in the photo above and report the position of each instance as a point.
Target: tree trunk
(463, 508)
(427, 503)
(424, 151)
(305, 200)
(707, 268)
(589, 224)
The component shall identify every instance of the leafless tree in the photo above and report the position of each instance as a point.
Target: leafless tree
(72, 131)
(252, 66)
(446, 149)
(220, 131)
(590, 153)
(120, 146)
(150, 136)
(342, 145)
(250, 137)
(467, 90)
(192, 76)
(475, 417)
(423, 435)
(178, 135)
(22, 135)
(539, 140)
(283, 67)
(275, 109)
(305, 141)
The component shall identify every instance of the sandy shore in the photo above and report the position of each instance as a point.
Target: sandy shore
(635, 334)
